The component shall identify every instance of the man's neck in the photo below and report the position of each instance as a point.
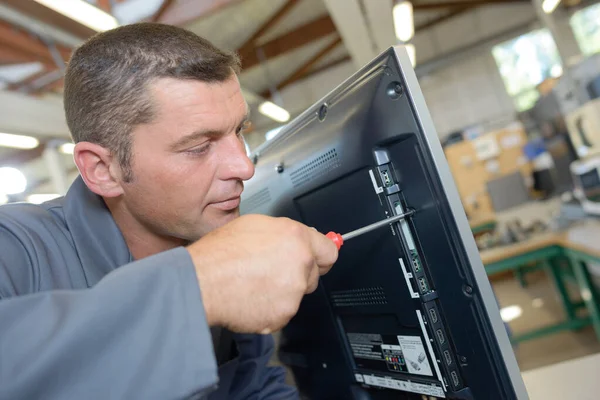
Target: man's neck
(139, 239)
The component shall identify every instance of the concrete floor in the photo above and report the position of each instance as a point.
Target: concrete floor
(541, 307)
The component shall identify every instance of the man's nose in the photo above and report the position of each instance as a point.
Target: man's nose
(236, 164)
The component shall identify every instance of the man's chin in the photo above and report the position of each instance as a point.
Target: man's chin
(217, 221)
(225, 218)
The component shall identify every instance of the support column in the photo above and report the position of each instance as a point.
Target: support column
(56, 168)
(565, 50)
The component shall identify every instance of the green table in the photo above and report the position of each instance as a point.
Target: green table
(564, 262)
(483, 225)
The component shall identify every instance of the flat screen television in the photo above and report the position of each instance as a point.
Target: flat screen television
(407, 310)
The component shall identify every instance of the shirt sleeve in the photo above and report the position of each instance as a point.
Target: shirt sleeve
(255, 378)
(141, 332)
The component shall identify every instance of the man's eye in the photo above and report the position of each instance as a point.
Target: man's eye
(199, 149)
(245, 125)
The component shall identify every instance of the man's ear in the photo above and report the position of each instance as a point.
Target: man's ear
(99, 169)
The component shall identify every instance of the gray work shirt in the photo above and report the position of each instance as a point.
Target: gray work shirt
(80, 319)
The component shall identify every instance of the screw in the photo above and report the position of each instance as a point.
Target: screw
(468, 289)
(279, 168)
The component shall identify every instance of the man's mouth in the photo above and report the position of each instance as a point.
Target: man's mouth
(229, 204)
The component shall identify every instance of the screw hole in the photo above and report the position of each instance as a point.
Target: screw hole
(394, 90)
(323, 112)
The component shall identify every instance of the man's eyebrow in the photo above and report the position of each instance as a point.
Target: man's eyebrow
(192, 137)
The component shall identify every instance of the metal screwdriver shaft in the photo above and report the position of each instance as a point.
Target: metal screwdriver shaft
(339, 239)
(375, 225)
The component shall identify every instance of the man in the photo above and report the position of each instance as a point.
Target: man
(149, 236)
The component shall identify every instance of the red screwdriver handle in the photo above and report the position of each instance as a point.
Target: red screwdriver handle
(336, 238)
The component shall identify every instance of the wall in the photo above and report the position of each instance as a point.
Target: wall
(465, 93)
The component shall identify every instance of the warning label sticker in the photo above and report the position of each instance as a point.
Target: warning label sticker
(366, 345)
(392, 383)
(414, 355)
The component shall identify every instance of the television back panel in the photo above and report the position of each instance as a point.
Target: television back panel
(408, 309)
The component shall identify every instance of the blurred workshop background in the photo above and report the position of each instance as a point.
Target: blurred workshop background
(513, 87)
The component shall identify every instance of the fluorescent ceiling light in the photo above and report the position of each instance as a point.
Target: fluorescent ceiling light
(550, 5)
(12, 181)
(67, 148)
(403, 21)
(41, 197)
(274, 112)
(510, 313)
(82, 12)
(412, 53)
(18, 141)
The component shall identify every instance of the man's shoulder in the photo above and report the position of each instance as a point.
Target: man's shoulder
(29, 219)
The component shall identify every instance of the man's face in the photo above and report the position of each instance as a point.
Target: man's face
(189, 164)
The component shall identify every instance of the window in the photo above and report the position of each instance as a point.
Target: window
(524, 63)
(586, 27)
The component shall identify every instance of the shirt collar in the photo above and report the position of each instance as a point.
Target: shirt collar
(98, 240)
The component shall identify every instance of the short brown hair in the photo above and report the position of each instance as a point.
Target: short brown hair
(105, 94)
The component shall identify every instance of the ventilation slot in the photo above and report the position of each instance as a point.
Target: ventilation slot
(315, 168)
(256, 200)
(359, 297)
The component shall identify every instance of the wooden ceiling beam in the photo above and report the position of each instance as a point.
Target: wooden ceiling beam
(20, 41)
(185, 12)
(268, 24)
(23, 84)
(10, 55)
(299, 37)
(162, 10)
(445, 17)
(322, 68)
(50, 86)
(463, 3)
(40, 12)
(105, 5)
(305, 68)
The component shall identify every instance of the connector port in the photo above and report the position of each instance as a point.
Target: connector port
(416, 264)
(385, 176)
(455, 380)
(447, 357)
(440, 336)
(423, 285)
(433, 315)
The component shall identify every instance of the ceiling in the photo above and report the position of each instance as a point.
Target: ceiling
(281, 42)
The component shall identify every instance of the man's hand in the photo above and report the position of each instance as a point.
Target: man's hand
(254, 271)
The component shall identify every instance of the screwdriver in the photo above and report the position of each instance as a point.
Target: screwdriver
(338, 239)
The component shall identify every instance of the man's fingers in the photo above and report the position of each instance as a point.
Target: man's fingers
(324, 251)
(313, 279)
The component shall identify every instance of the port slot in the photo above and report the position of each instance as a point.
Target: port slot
(423, 285)
(448, 357)
(440, 336)
(433, 315)
(385, 176)
(455, 380)
(416, 263)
